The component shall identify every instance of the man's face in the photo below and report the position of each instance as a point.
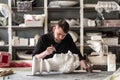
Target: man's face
(59, 34)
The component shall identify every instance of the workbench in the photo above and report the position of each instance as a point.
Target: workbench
(25, 74)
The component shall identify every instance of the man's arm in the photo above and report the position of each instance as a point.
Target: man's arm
(75, 50)
(48, 51)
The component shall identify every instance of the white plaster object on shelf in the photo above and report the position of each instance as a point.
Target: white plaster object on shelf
(88, 22)
(111, 62)
(34, 20)
(3, 21)
(24, 6)
(97, 60)
(63, 63)
(73, 22)
(23, 42)
(5, 10)
(74, 35)
(23, 55)
(64, 3)
(107, 6)
(91, 23)
(2, 42)
(111, 40)
(15, 41)
(96, 45)
(32, 42)
(36, 37)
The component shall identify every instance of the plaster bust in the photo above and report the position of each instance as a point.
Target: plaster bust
(63, 63)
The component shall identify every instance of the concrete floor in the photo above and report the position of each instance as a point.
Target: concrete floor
(25, 74)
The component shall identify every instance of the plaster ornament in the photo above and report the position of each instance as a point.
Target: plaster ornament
(106, 6)
(64, 3)
(74, 35)
(36, 37)
(73, 22)
(63, 63)
(5, 10)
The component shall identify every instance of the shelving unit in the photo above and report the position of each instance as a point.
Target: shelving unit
(50, 14)
(103, 29)
(26, 31)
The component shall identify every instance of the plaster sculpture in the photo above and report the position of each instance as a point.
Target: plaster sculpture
(63, 63)
(36, 37)
(106, 6)
(34, 20)
(64, 3)
(74, 35)
(5, 11)
(111, 62)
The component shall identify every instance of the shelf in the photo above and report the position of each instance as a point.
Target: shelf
(71, 28)
(63, 8)
(23, 47)
(75, 28)
(86, 45)
(3, 27)
(87, 7)
(5, 47)
(102, 28)
(33, 8)
(22, 28)
(95, 28)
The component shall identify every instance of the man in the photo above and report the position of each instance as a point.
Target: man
(58, 41)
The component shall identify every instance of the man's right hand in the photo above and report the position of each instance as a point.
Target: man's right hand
(50, 50)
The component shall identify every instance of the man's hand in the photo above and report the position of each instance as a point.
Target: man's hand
(87, 67)
(50, 50)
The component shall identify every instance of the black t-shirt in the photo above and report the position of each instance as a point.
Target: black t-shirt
(47, 40)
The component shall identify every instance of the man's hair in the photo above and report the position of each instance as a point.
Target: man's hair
(64, 25)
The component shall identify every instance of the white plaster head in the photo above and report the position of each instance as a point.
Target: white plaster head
(63, 63)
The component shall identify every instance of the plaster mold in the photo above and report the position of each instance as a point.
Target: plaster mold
(63, 63)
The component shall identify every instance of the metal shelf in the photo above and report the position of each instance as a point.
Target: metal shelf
(27, 27)
(63, 8)
(3, 27)
(4, 47)
(33, 8)
(102, 28)
(23, 47)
